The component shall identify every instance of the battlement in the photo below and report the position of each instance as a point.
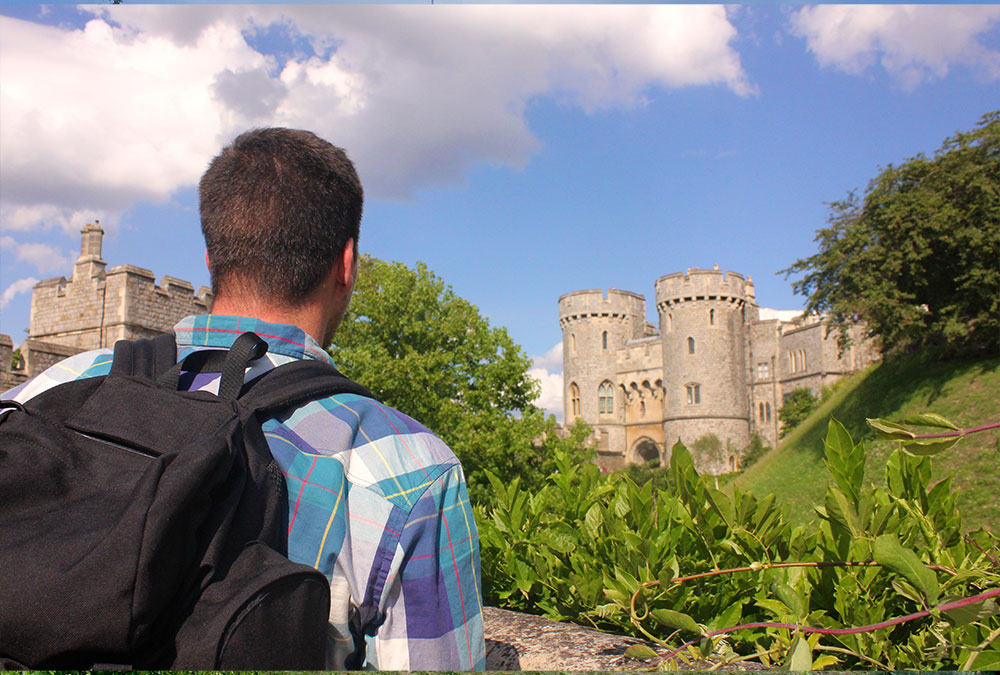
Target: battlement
(100, 305)
(698, 284)
(595, 302)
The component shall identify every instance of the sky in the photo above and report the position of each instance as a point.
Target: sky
(520, 151)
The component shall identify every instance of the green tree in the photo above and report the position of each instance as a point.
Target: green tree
(799, 404)
(430, 354)
(918, 256)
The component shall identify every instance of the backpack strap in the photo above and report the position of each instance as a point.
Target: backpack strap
(298, 382)
(231, 363)
(147, 358)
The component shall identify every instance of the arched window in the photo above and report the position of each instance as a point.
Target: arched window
(670, 321)
(711, 317)
(606, 398)
(572, 343)
(732, 463)
(690, 345)
(761, 407)
(604, 340)
(767, 409)
(802, 359)
(574, 399)
(693, 393)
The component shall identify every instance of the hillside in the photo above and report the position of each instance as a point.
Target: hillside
(968, 392)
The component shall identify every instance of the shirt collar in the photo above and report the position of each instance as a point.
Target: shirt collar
(212, 330)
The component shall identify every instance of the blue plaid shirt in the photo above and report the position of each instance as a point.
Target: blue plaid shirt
(376, 502)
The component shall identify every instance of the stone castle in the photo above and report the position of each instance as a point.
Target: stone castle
(716, 364)
(95, 308)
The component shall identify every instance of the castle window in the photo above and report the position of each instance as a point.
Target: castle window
(763, 370)
(761, 408)
(767, 410)
(711, 317)
(606, 398)
(670, 321)
(604, 339)
(572, 343)
(690, 345)
(802, 359)
(574, 399)
(693, 393)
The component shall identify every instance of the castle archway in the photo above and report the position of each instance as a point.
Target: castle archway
(645, 451)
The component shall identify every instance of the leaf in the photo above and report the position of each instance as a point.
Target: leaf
(924, 447)
(930, 420)
(801, 656)
(641, 651)
(979, 611)
(672, 619)
(987, 660)
(891, 554)
(790, 598)
(890, 430)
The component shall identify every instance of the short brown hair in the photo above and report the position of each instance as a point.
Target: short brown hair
(277, 208)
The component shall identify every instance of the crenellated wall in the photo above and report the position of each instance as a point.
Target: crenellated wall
(717, 368)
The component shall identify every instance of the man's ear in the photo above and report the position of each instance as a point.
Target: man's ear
(207, 264)
(345, 265)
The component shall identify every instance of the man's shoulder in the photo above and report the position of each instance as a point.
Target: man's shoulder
(87, 364)
(379, 446)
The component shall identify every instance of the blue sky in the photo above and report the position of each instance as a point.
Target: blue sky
(520, 151)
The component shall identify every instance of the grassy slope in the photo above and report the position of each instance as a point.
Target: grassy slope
(967, 392)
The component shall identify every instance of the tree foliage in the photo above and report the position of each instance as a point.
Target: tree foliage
(918, 256)
(429, 353)
(798, 405)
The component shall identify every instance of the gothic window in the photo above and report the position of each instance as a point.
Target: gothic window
(767, 410)
(761, 408)
(802, 359)
(604, 340)
(711, 317)
(693, 393)
(572, 343)
(574, 399)
(690, 345)
(606, 398)
(732, 463)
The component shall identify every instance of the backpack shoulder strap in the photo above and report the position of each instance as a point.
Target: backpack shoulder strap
(296, 383)
(147, 358)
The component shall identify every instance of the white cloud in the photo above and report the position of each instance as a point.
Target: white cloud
(551, 360)
(46, 259)
(547, 370)
(550, 399)
(913, 43)
(135, 104)
(19, 286)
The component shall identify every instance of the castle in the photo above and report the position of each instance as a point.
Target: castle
(95, 308)
(717, 364)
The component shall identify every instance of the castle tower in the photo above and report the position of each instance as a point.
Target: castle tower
(703, 316)
(595, 326)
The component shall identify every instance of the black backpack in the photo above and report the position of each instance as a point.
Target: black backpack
(146, 527)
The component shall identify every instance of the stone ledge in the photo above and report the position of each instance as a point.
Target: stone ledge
(516, 641)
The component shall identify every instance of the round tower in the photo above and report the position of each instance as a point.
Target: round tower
(595, 326)
(704, 316)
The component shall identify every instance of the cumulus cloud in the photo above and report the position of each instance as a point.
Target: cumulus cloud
(913, 43)
(19, 286)
(45, 258)
(134, 105)
(547, 370)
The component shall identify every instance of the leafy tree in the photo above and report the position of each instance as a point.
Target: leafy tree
(799, 404)
(918, 256)
(429, 353)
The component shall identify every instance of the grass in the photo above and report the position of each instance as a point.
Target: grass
(967, 392)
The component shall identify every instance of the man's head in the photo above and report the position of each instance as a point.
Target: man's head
(278, 206)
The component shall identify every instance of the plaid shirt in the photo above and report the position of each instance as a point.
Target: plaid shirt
(376, 502)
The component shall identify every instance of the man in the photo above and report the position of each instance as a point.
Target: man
(376, 501)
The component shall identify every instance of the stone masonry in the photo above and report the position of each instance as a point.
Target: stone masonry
(95, 308)
(714, 366)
